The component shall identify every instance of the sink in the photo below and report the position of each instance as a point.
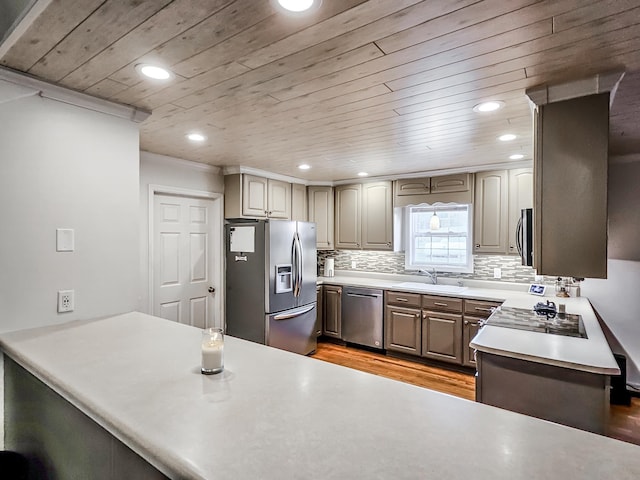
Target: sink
(430, 288)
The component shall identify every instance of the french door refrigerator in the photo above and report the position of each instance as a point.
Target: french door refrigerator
(271, 283)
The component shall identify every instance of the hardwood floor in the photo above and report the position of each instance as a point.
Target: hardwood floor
(624, 421)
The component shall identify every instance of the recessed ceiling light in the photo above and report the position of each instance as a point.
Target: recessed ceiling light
(196, 137)
(516, 156)
(488, 106)
(507, 137)
(296, 5)
(153, 71)
(362, 174)
(304, 166)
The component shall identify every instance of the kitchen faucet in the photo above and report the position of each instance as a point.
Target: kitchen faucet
(433, 276)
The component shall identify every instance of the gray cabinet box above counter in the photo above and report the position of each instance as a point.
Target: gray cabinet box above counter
(456, 188)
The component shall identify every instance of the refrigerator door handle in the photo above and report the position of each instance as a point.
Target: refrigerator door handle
(294, 313)
(300, 263)
(519, 236)
(296, 265)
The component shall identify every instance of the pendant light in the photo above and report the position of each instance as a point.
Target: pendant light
(434, 223)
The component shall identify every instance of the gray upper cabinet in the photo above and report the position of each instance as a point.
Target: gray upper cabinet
(364, 216)
(298, 202)
(571, 162)
(278, 199)
(377, 216)
(520, 196)
(490, 212)
(321, 212)
(348, 220)
(451, 183)
(457, 188)
(256, 197)
(413, 186)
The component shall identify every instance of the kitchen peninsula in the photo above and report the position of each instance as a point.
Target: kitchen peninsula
(270, 414)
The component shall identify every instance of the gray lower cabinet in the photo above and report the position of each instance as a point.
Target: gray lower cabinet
(442, 336)
(475, 311)
(332, 326)
(403, 329)
(470, 328)
(319, 310)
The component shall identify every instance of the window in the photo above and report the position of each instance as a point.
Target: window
(446, 247)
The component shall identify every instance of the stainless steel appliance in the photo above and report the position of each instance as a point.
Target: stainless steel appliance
(362, 316)
(271, 283)
(524, 236)
(567, 324)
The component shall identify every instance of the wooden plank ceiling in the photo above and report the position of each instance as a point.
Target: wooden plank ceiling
(380, 86)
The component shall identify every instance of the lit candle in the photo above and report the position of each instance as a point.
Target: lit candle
(212, 351)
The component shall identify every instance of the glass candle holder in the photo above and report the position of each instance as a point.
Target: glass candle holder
(212, 351)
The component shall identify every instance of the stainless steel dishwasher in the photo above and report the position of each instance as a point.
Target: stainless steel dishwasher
(362, 316)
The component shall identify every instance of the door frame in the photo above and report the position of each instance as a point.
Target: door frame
(218, 278)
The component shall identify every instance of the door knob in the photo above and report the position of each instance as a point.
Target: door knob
(211, 289)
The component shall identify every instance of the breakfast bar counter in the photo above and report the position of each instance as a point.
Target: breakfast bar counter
(271, 415)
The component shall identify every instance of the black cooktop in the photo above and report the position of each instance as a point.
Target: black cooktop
(569, 324)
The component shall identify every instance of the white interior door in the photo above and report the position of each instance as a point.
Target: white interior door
(187, 264)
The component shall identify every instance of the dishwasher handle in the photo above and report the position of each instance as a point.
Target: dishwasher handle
(365, 295)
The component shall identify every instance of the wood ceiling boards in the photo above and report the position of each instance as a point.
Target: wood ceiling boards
(378, 85)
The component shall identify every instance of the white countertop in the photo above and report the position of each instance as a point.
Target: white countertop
(590, 354)
(277, 415)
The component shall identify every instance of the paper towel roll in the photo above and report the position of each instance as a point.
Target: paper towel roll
(328, 267)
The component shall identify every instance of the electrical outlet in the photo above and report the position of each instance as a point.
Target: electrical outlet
(353, 264)
(65, 301)
(497, 273)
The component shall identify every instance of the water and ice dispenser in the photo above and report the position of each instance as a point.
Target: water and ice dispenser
(284, 278)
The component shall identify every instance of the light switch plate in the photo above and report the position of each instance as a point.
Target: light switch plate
(65, 241)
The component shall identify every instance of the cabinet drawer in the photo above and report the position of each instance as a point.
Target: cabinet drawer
(479, 308)
(403, 299)
(442, 304)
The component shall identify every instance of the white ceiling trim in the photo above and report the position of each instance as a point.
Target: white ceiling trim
(71, 97)
(167, 160)
(427, 173)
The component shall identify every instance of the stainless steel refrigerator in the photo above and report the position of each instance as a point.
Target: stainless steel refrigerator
(271, 283)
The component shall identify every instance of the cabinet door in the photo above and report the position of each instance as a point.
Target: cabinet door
(490, 229)
(377, 216)
(254, 196)
(332, 311)
(442, 336)
(403, 327)
(319, 310)
(348, 225)
(298, 202)
(470, 328)
(520, 196)
(459, 182)
(413, 186)
(321, 212)
(279, 199)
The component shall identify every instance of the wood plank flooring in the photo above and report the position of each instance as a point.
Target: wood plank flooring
(624, 421)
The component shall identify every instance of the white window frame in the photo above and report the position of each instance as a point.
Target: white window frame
(409, 244)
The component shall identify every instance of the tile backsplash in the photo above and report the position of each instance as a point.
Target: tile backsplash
(393, 263)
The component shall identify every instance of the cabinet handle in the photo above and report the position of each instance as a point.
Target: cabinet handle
(400, 299)
(440, 304)
(466, 322)
(481, 309)
(424, 316)
(388, 244)
(477, 245)
(417, 315)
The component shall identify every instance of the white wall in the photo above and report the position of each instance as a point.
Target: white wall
(65, 166)
(617, 298)
(169, 172)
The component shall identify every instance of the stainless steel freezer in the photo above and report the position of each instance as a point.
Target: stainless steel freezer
(271, 283)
